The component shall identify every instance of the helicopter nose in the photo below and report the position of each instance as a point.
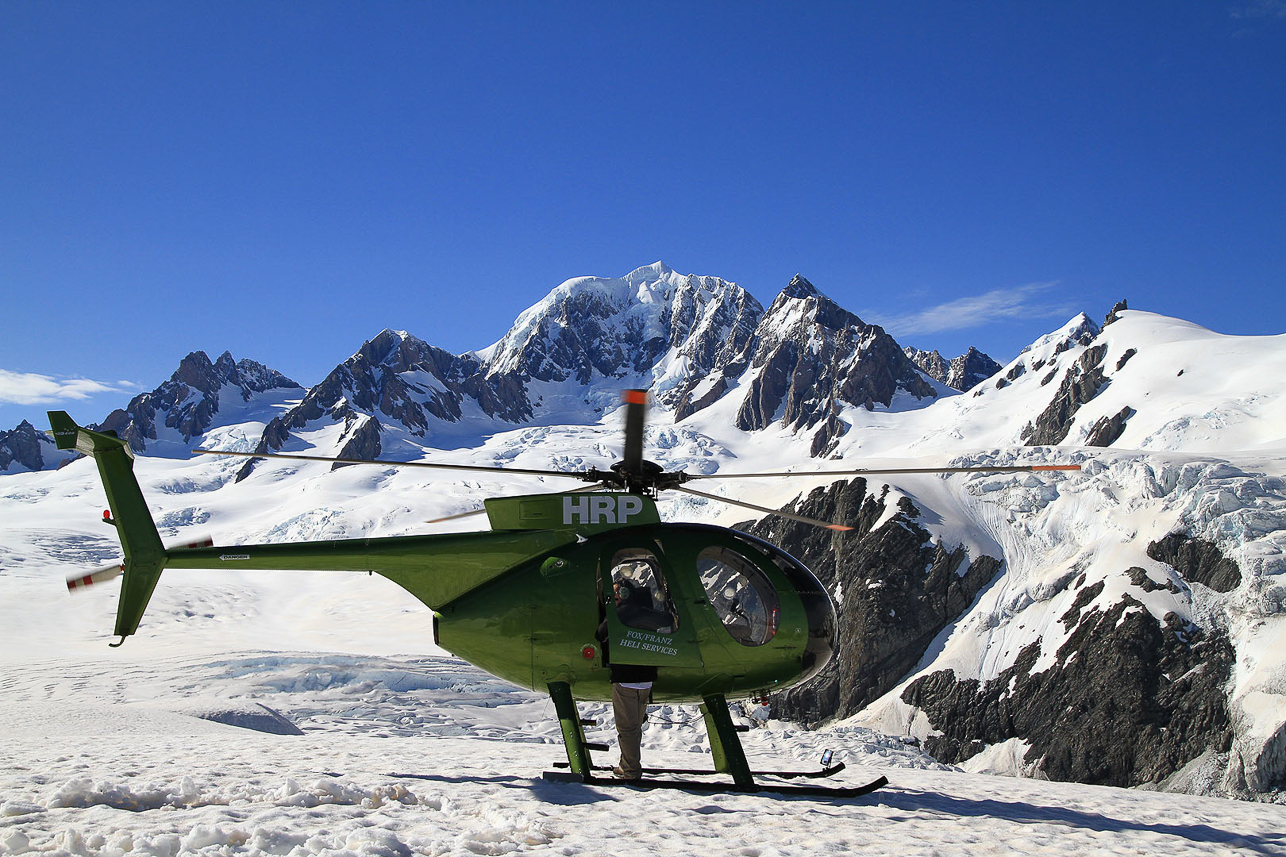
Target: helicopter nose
(819, 610)
(822, 627)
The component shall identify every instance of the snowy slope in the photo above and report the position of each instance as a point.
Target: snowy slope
(1201, 454)
(419, 755)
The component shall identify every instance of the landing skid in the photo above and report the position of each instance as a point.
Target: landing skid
(698, 786)
(704, 772)
(725, 750)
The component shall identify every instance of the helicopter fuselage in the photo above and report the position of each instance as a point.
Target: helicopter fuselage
(716, 611)
(537, 599)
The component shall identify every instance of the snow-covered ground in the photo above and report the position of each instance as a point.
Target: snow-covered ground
(400, 755)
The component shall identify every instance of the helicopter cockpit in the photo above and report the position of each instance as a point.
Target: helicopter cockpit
(642, 601)
(740, 594)
(747, 601)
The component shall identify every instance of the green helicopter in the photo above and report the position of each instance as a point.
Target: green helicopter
(720, 613)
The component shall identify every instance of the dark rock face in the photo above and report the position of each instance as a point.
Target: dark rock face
(21, 445)
(1120, 674)
(809, 354)
(930, 363)
(805, 357)
(971, 369)
(1082, 382)
(387, 376)
(1114, 313)
(361, 438)
(961, 373)
(375, 379)
(899, 590)
(1107, 430)
(1197, 561)
(190, 399)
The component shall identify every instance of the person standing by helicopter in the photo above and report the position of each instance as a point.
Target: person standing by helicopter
(631, 691)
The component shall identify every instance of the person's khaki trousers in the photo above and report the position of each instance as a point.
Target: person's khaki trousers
(629, 710)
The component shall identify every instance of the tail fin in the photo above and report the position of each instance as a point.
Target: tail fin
(144, 554)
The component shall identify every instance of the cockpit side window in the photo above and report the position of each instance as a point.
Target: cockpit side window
(741, 595)
(639, 590)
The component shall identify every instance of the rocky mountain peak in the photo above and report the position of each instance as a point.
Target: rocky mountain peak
(189, 401)
(21, 448)
(810, 356)
(960, 373)
(196, 371)
(395, 349)
(931, 363)
(970, 369)
(800, 287)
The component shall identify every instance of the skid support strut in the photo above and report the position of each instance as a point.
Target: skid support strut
(725, 746)
(573, 733)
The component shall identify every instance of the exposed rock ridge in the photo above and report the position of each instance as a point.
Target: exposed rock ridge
(1197, 560)
(810, 354)
(960, 373)
(691, 338)
(930, 363)
(1082, 382)
(970, 369)
(189, 401)
(1120, 673)
(897, 590)
(22, 445)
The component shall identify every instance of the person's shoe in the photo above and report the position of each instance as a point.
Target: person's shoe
(621, 775)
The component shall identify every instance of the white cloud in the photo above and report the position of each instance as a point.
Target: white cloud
(1261, 9)
(26, 388)
(975, 311)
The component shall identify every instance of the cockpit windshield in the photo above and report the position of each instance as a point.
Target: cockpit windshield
(740, 594)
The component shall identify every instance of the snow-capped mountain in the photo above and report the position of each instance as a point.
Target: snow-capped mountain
(26, 448)
(809, 358)
(1117, 625)
(200, 395)
(961, 373)
(689, 339)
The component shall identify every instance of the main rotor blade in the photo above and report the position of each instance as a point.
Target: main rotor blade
(862, 471)
(483, 510)
(815, 522)
(483, 468)
(635, 418)
(457, 516)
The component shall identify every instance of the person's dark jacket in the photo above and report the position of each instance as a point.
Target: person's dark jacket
(623, 673)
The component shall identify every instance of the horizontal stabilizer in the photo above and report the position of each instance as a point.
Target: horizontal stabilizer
(100, 575)
(191, 544)
(113, 571)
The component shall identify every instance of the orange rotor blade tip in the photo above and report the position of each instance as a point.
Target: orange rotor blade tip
(1056, 467)
(635, 397)
(838, 528)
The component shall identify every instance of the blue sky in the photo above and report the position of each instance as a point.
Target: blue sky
(283, 180)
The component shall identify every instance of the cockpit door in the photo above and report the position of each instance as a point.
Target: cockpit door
(643, 626)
